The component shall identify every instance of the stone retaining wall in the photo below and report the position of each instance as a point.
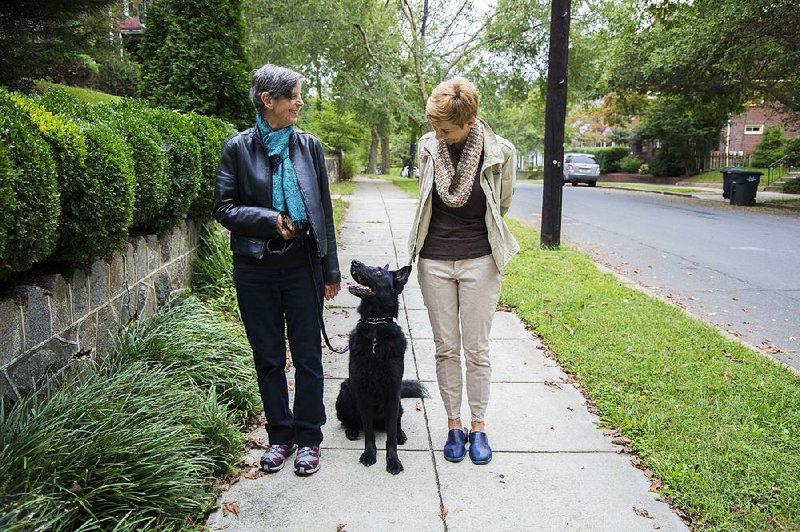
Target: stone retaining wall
(70, 318)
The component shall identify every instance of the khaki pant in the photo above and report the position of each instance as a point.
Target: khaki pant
(461, 297)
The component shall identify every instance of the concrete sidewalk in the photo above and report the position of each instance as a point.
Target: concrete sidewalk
(553, 469)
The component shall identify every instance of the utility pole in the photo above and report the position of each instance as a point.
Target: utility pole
(554, 119)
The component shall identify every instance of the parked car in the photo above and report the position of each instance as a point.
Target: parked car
(405, 173)
(581, 168)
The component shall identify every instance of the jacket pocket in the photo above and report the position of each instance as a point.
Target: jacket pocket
(248, 246)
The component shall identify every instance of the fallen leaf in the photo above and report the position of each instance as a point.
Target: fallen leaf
(621, 440)
(419, 406)
(655, 485)
(75, 488)
(442, 512)
(636, 462)
(656, 525)
(775, 489)
(642, 512)
(230, 508)
(552, 384)
(729, 356)
(648, 473)
(567, 327)
(340, 527)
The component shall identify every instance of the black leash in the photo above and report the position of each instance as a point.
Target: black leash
(320, 303)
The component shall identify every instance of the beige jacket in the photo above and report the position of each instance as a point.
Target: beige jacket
(498, 176)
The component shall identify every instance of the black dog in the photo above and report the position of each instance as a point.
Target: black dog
(370, 397)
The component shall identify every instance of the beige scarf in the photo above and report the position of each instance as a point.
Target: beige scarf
(454, 185)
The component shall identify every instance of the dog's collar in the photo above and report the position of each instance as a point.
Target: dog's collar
(376, 321)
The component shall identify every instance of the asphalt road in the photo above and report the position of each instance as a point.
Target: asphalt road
(735, 267)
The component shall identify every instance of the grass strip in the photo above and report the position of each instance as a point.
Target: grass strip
(410, 185)
(717, 423)
(343, 188)
(656, 188)
(79, 93)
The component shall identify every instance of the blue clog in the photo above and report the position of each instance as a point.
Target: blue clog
(455, 449)
(479, 451)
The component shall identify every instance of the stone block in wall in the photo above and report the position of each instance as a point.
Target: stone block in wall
(55, 288)
(45, 361)
(140, 257)
(117, 274)
(167, 246)
(130, 264)
(181, 235)
(98, 284)
(125, 308)
(79, 293)
(147, 303)
(10, 332)
(87, 334)
(107, 329)
(153, 253)
(163, 286)
(36, 311)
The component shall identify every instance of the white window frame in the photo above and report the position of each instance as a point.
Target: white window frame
(754, 129)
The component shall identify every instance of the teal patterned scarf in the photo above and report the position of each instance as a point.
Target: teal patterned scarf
(285, 190)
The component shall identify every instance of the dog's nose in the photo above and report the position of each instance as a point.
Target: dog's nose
(356, 264)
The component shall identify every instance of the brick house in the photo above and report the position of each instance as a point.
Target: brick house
(743, 132)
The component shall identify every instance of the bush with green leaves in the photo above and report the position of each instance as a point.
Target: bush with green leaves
(210, 134)
(194, 58)
(791, 148)
(184, 167)
(199, 346)
(29, 195)
(212, 276)
(98, 195)
(119, 76)
(630, 164)
(665, 163)
(8, 175)
(127, 444)
(349, 166)
(770, 149)
(608, 158)
(149, 157)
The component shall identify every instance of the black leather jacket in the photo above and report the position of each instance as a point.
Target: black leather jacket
(243, 196)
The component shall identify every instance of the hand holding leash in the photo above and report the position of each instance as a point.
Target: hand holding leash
(286, 227)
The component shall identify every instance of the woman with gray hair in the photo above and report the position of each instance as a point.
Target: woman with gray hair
(272, 194)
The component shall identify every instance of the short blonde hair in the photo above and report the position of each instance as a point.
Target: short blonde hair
(454, 101)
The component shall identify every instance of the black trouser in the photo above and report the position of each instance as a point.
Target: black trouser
(267, 297)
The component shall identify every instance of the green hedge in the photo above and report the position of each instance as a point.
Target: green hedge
(609, 158)
(76, 177)
(184, 170)
(98, 189)
(149, 158)
(210, 133)
(30, 195)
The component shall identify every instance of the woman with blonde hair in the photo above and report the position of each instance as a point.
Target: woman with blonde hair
(467, 176)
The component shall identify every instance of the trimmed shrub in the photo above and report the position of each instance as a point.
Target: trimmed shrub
(666, 164)
(644, 169)
(792, 187)
(630, 164)
(129, 445)
(97, 209)
(118, 75)
(608, 158)
(183, 157)
(770, 149)
(149, 158)
(29, 193)
(210, 134)
(8, 175)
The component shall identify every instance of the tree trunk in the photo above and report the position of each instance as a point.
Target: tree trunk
(384, 151)
(373, 153)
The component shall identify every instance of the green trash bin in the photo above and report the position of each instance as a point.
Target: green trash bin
(743, 185)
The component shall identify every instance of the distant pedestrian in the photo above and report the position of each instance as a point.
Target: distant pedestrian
(272, 194)
(467, 176)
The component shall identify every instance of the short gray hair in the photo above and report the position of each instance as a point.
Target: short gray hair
(278, 81)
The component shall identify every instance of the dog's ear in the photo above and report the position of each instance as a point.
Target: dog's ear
(401, 278)
(386, 267)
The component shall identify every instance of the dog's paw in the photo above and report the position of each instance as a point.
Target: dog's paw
(351, 434)
(394, 466)
(368, 458)
(401, 437)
